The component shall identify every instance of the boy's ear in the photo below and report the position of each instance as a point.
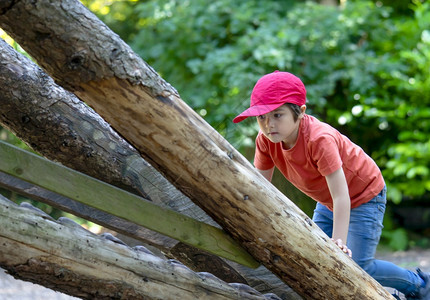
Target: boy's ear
(303, 110)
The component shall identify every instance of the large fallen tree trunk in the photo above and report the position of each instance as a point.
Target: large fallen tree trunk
(67, 258)
(82, 54)
(59, 126)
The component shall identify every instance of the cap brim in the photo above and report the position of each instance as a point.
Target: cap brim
(256, 110)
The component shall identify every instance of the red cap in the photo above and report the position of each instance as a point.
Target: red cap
(273, 90)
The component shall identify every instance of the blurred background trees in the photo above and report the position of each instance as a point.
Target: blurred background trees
(365, 65)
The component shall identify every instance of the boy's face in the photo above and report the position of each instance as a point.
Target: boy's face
(279, 125)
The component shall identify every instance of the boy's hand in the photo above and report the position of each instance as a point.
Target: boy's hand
(342, 247)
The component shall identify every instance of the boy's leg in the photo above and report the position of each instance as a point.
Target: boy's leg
(363, 237)
(364, 232)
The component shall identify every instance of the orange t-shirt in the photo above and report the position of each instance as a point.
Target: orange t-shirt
(319, 151)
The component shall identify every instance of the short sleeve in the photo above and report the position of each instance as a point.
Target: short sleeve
(326, 154)
(262, 158)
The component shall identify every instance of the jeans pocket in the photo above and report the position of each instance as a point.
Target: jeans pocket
(380, 215)
(381, 208)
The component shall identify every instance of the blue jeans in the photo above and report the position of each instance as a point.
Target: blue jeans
(365, 228)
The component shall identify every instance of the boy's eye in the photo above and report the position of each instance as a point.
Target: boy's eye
(260, 117)
(277, 115)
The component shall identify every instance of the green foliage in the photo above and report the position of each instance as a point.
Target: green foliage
(408, 156)
(366, 68)
(397, 239)
(392, 236)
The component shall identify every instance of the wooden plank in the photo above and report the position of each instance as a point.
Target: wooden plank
(107, 198)
(34, 192)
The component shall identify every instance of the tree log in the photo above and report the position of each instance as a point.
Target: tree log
(83, 55)
(50, 120)
(65, 257)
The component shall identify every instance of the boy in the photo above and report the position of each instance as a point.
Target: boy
(324, 164)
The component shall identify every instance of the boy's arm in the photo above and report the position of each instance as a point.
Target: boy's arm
(338, 187)
(267, 173)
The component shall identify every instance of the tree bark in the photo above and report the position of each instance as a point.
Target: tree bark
(82, 54)
(59, 126)
(67, 258)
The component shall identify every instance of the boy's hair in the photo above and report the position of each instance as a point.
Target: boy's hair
(295, 109)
